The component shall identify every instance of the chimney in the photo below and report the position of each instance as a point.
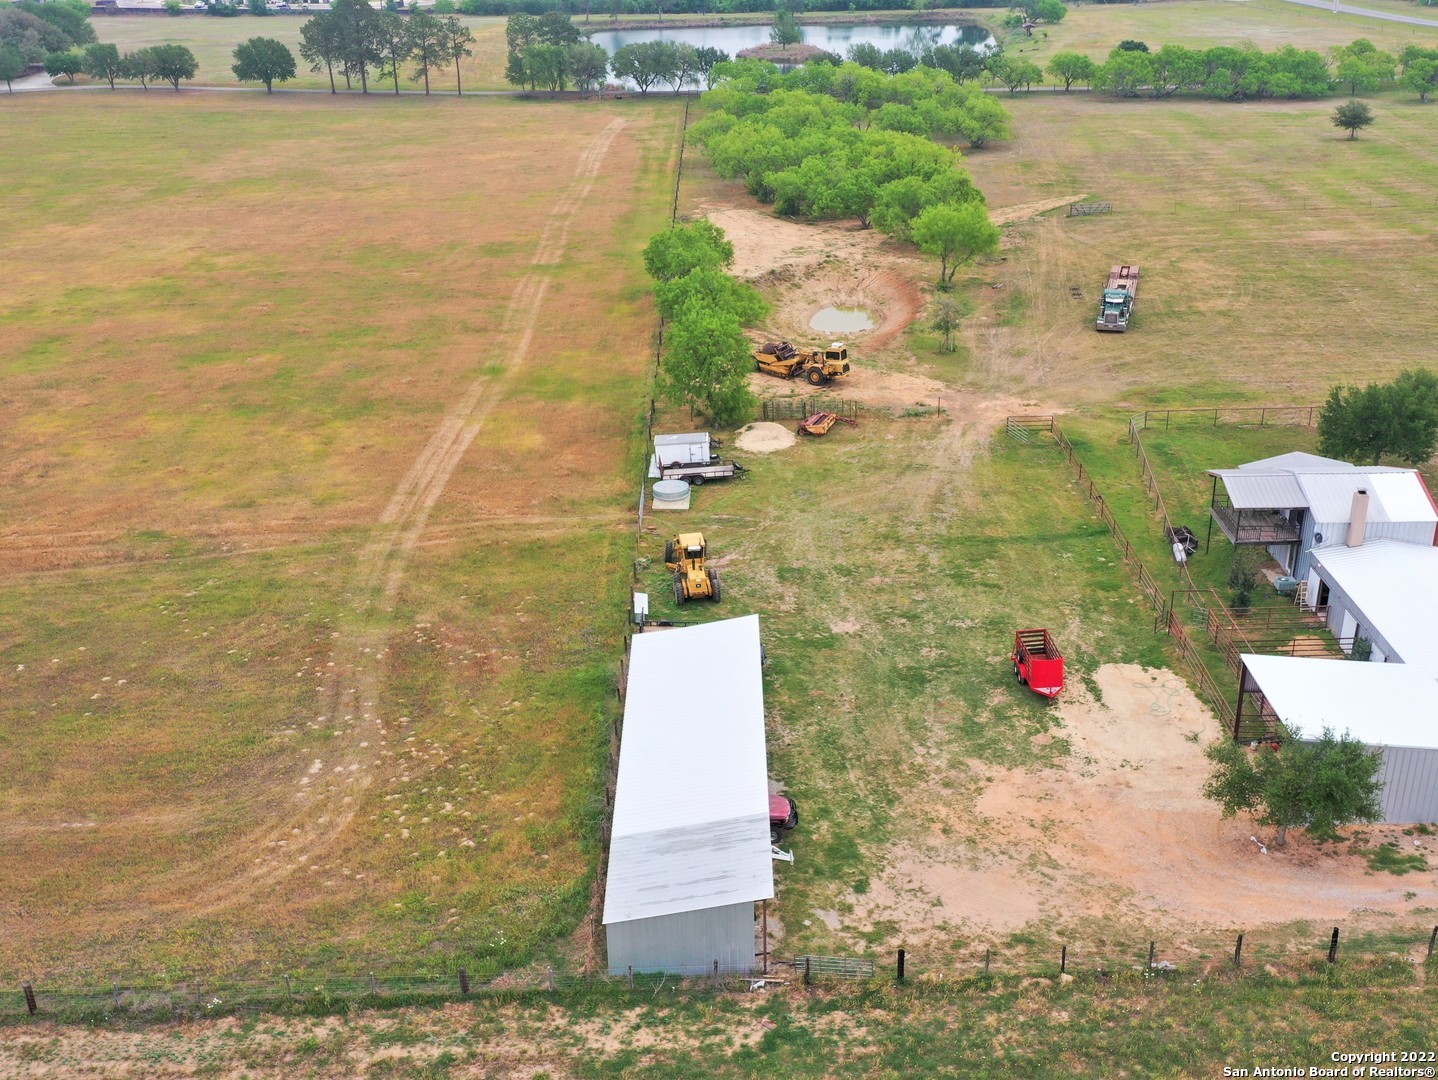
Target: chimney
(1358, 518)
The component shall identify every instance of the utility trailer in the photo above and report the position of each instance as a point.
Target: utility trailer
(1118, 297)
(696, 472)
(1038, 663)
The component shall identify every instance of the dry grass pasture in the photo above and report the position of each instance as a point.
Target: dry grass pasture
(213, 42)
(314, 422)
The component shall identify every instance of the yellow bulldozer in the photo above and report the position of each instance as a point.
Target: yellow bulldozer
(818, 366)
(692, 581)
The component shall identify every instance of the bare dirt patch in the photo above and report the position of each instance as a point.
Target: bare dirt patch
(1006, 215)
(1121, 830)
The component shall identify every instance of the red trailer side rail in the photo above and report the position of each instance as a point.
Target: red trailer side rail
(1038, 662)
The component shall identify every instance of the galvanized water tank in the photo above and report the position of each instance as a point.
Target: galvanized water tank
(671, 491)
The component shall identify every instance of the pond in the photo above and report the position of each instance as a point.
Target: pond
(842, 320)
(835, 39)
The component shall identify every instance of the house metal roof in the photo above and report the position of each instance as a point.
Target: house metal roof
(1378, 704)
(1394, 586)
(1325, 487)
(691, 805)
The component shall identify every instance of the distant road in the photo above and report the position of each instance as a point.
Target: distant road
(1325, 5)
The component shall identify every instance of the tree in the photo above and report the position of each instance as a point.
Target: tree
(320, 44)
(264, 60)
(1362, 66)
(103, 62)
(707, 361)
(1317, 785)
(686, 65)
(12, 64)
(956, 234)
(70, 19)
(1013, 72)
(588, 65)
(785, 30)
(356, 30)
(1421, 77)
(984, 120)
(457, 41)
(139, 65)
(258, 7)
(1399, 419)
(1049, 11)
(1351, 116)
(705, 57)
(866, 55)
(1072, 67)
(426, 42)
(948, 316)
(394, 45)
(172, 63)
(1130, 45)
(68, 63)
(1243, 576)
(712, 290)
(1124, 73)
(174, 7)
(646, 63)
(683, 249)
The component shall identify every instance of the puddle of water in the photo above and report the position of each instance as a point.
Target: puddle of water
(842, 320)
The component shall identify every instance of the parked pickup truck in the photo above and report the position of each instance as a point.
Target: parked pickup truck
(696, 472)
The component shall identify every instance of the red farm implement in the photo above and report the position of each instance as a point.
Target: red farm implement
(1038, 662)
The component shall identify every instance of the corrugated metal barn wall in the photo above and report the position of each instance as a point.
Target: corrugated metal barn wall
(686, 943)
(1410, 785)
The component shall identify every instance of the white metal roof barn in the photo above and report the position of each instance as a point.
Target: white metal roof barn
(1392, 707)
(689, 853)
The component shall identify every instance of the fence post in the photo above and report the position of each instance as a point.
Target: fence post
(1333, 947)
(373, 989)
(1432, 940)
(901, 966)
(1150, 957)
(1238, 952)
(464, 982)
(988, 951)
(30, 1005)
(806, 971)
(116, 984)
(1064, 960)
(289, 989)
(631, 976)
(716, 974)
(551, 978)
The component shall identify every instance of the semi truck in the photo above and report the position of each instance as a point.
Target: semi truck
(1118, 297)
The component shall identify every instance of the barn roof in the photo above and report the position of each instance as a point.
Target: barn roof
(1325, 487)
(691, 805)
(1378, 704)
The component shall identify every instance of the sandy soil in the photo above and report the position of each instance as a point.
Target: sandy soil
(1121, 831)
(764, 438)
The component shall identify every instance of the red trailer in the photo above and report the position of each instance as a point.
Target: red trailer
(1038, 662)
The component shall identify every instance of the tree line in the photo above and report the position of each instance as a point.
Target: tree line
(706, 358)
(1246, 73)
(31, 31)
(660, 8)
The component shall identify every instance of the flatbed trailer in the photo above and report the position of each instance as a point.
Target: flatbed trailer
(696, 472)
(1116, 307)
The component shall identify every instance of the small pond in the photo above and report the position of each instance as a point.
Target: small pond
(842, 320)
(835, 39)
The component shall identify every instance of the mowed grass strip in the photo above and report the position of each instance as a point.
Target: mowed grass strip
(241, 374)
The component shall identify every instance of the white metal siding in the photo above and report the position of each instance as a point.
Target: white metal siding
(685, 943)
(1410, 785)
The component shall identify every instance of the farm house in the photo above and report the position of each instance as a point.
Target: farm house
(689, 854)
(1297, 503)
(1388, 707)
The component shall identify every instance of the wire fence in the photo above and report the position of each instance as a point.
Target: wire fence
(1402, 955)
